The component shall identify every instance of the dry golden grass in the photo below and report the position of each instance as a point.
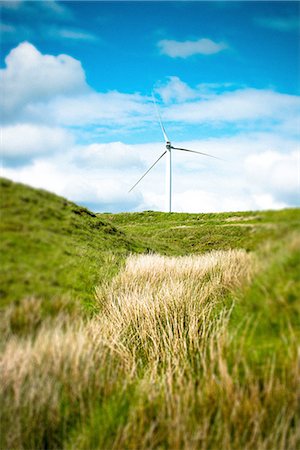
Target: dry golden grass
(65, 362)
(25, 318)
(161, 330)
(160, 307)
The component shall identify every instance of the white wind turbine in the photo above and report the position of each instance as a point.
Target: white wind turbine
(168, 152)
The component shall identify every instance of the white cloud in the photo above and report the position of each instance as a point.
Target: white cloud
(41, 9)
(40, 173)
(175, 90)
(224, 105)
(56, 8)
(110, 109)
(33, 77)
(52, 89)
(201, 200)
(96, 186)
(74, 34)
(38, 19)
(267, 201)
(5, 28)
(24, 141)
(12, 4)
(243, 104)
(276, 172)
(184, 49)
(114, 155)
(77, 35)
(279, 23)
(100, 175)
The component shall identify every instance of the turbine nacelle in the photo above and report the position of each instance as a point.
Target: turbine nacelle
(168, 145)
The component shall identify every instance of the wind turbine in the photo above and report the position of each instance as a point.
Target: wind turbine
(168, 152)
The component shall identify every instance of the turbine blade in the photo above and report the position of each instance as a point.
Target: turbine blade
(194, 151)
(160, 121)
(147, 171)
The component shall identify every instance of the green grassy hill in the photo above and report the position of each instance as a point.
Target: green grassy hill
(181, 233)
(51, 247)
(147, 330)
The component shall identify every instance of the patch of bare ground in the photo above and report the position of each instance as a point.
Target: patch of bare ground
(241, 218)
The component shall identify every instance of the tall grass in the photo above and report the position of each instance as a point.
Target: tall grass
(50, 382)
(161, 307)
(156, 367)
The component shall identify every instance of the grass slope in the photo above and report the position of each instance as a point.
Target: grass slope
(195, 349)
(53, 248)
(181, 233)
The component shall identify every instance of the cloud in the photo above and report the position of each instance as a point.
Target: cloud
(45, 31)
(225, 105)
(267, 201)
(113, 155)
(258, 171)
(42, 20)
(100, 175)
(53, 89)
(184, 49)
(77, 35)
(276, 172)
(38, 19)
(109, 108)
(97, 187)
(193, 201)
(23, 142)
(279, 23)
(175, 90)
(57, 9)
(6, 29)
(41, 9)
(73, 34)
(11, 5)
(31, 77)
(235, 106)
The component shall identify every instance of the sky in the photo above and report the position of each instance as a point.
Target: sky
(78, 117)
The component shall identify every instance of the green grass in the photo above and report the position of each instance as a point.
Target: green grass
(163, 360)
(272, 302)
(181, 233)
(53, 248)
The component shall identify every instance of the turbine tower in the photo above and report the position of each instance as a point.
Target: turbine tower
(168, 152)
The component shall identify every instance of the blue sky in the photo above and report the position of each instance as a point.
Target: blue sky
(79, 120)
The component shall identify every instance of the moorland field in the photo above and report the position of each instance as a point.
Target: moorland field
(147, 330)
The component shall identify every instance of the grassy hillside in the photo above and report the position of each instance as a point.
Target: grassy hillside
(181, 233)
(192, 341)
(53, 248)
